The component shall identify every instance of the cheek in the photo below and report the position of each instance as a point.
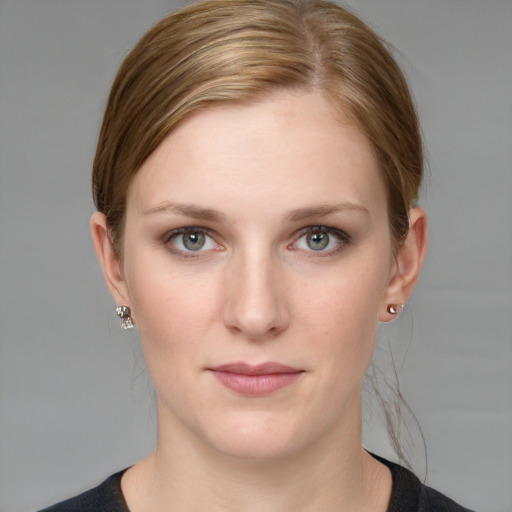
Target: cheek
(353, 291)
(173, 310)
(175, 318)
(342, 310)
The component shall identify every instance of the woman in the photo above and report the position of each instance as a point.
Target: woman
(256, 181)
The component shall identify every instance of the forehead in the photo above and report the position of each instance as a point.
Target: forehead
(290, 149)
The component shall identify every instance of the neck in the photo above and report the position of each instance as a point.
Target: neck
(184, 473)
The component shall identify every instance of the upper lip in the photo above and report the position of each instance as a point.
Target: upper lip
(241, 368)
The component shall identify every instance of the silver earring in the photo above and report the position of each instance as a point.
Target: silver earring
(123, 312)
(394, 309)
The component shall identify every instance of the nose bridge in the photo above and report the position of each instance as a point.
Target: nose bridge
(256, 304)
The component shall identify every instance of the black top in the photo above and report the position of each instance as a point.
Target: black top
(408, 495)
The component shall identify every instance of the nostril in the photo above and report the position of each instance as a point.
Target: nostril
(255, 304)
(256, 324)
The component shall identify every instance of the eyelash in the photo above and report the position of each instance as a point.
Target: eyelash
(341, 236)
(169, 237)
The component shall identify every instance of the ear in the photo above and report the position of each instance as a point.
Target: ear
(109, 262)
(407, 265)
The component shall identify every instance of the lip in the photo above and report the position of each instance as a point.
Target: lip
(255, 380)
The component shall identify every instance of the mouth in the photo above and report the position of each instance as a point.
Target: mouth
(255, 380)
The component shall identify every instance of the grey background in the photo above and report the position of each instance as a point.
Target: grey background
(75, 402)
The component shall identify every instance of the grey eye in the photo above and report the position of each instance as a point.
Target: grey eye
(194, 240)
(317, 240)
(190, 240)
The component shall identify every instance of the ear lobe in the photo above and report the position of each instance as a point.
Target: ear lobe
(108, 260)
(408, 263)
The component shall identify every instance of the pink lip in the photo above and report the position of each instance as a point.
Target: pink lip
(261, 379)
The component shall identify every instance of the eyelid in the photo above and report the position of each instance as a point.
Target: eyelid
(342, 236)
(188, 229)
(169, 235)
(320, 227)
(174, 233)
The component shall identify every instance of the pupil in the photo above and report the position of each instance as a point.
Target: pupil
(193, 241)
(318, 241)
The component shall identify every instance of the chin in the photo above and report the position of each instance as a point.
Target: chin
(256, 436)
(256, 448)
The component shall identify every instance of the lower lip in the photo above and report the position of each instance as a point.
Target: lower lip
(256, 385)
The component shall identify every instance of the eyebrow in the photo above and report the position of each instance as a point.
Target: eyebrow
(197, 212)
(187, 210)
(324, 210)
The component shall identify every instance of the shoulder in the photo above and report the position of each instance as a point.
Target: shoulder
(106, 497)
(410, 495)
(433, 501)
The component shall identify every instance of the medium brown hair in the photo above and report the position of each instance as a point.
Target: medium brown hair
(240, 50)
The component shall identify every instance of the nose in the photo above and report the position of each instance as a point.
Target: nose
(255, 306)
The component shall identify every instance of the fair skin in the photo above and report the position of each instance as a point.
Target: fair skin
(286, 258)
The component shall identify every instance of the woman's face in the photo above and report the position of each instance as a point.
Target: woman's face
(257, 259)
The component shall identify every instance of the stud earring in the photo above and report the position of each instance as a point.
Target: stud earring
(394, 309)
(123, 312)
